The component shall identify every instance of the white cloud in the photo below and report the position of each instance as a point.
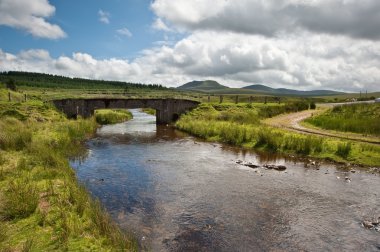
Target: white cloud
(159, 25)
(359, 19)
(104, 16)
(310, 62)
(124, 31)
(30, 16)
(240, 43)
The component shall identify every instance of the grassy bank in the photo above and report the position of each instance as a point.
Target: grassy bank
(42, 206)
(112, 116)
(149, 111)
(358, 118)
(240, 125)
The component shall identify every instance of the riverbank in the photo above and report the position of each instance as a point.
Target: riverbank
(42, 206)
(241, 125)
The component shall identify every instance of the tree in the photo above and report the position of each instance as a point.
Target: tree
(312, 105)
(11, 85)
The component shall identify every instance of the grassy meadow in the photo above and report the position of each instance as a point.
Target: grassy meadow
(42, 206)
(241, 125)
(357, 118)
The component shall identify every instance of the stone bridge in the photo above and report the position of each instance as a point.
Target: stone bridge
(167, 110)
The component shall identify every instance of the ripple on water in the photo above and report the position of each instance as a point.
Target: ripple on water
(177, 193)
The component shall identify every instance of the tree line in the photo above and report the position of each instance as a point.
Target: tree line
(56, 81)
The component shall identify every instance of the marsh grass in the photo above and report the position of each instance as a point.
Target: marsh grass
(27, 246)
(343, 149)
(14, 135)
(19, 200)
(41, 203)
(358, 118)
(149, 111)
(240, 125)
(108, 116)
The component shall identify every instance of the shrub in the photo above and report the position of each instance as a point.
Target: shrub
(313, 105)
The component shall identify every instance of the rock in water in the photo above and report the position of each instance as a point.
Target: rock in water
(368, 224)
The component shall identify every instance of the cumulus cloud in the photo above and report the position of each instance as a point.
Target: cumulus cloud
(314, 44)
(160, 25)
(30, 16)
(358, 19)
(104, 16)
(310, 62)
(125, 32)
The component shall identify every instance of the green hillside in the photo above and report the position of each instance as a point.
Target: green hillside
(207, 85)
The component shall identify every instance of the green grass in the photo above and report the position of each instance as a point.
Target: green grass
(358, 118)
(240, 125)
(149, 111)
(112, 116)
(42, 206)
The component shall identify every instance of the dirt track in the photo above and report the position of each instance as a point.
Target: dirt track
(292, 122)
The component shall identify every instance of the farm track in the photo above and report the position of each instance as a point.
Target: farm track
(292, 122)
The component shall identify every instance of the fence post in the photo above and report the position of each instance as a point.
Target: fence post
(208, 99)
(9, 96)
(250, 100)
(221, 99)
(237, 99)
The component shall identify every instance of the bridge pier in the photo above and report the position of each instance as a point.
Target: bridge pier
(167, 110)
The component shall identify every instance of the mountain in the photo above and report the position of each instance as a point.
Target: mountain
(285, 91)
(203, 86)
(210, 86)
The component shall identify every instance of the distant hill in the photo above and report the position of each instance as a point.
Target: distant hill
(210, 86)
(207, 85)
(285, 91)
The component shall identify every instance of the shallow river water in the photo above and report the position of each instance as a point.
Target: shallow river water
(177, 193)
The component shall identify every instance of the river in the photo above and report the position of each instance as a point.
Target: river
(178, 193)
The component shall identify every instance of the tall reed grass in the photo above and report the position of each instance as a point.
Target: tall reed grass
(39, 188)
(358, 118)
(107, 116)
(240, 125)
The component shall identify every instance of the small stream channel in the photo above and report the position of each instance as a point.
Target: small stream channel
(177, 193)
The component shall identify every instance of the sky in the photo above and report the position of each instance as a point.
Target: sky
(298, 44)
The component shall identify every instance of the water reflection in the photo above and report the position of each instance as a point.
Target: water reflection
(177, 193)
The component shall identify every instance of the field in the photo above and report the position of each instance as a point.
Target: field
(241, 125)
(358, 118)
(42, 206)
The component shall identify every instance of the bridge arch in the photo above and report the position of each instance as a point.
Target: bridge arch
(167, 110)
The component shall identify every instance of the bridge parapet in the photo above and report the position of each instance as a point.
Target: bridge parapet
(167, 110)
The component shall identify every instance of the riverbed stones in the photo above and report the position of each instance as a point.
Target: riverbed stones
(276, 167)
(368, 224)
(372, 224)
(267, 166)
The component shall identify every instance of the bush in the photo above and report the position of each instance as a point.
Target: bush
(313, 105)
(11, 84)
